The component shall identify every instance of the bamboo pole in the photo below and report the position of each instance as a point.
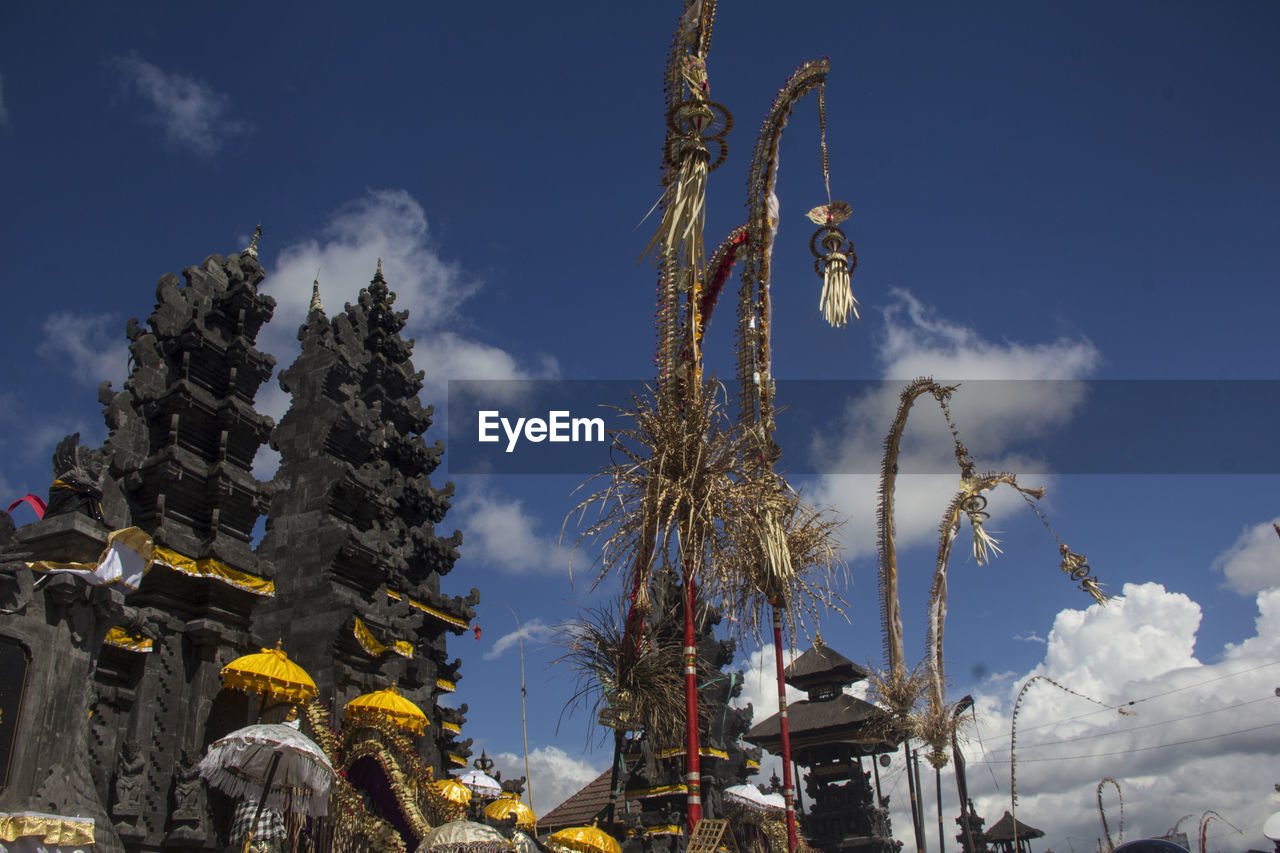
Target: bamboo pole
(693, 776)
(788, 792)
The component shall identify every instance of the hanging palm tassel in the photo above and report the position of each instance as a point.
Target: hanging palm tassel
(679, 235)
(985, 546)
(678, 241)
(836, 261)
(835, 264)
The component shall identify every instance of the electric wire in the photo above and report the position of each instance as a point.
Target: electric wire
(1133, 702)
(1096, 735)
(1134, 749)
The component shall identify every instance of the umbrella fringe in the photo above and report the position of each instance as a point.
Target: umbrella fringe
(280, 798)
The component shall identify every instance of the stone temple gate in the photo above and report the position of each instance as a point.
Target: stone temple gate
(107, 706)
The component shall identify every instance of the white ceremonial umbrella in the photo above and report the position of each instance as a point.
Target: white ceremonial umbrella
(273, 763)
(464, 836)
(481, 784)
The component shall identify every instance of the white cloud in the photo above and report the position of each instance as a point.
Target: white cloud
(533, 631)
(555, 775)
(392, 226)
(760, 690)
(192, 114)
(500, 532)
(91, 348)
(1197, 736)
(454, 357)
(760, 682)
(919, 343)
(1252, 563)
(987, 413)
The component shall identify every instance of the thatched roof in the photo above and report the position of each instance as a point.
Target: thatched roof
(1003, 831)
(842, 718)
(583, 807)
(822, 664)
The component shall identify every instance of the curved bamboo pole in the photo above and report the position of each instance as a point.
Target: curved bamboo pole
(890, 609)
(1204, 826)
(1013, 742)
(756, 400)
(1106, 829)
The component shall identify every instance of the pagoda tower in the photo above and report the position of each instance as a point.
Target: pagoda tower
(351, 534)
(831, 733)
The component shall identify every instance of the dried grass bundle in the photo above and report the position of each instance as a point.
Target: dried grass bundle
(675, 471)
(899, 692)
(635, 683)
(785, 554)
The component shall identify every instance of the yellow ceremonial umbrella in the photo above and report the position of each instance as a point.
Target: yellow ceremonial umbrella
(271, 674)
(453, 791)
(508, 805)
(586, 839)
(389, 705)
(448, 800)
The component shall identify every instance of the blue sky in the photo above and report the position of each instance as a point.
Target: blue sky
(1082, 191)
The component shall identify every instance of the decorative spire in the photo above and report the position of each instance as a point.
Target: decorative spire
(315, 297)
(377, 276)
(252, 250)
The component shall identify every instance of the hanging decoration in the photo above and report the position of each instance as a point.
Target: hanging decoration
(837, 260)
(835, 263)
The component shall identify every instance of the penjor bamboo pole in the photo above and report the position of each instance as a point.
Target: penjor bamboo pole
(693, 776)
(911, 787)
(788, 792)
(915, 762)
(524, 717)
(937, 787)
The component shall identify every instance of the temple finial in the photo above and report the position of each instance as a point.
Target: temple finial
(315, 297)
(378, 275)
(252, 250)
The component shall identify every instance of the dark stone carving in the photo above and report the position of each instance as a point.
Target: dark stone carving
(971, 836)
(60, 625)
(176, 462)
(187, 817)
(724, 760)
(129, 785)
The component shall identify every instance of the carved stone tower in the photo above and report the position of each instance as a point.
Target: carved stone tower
(351, 532)
(177, 463)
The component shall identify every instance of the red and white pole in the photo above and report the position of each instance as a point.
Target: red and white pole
(693, 775)
(788, 792)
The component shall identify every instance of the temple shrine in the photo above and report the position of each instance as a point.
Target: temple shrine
(831, 733)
